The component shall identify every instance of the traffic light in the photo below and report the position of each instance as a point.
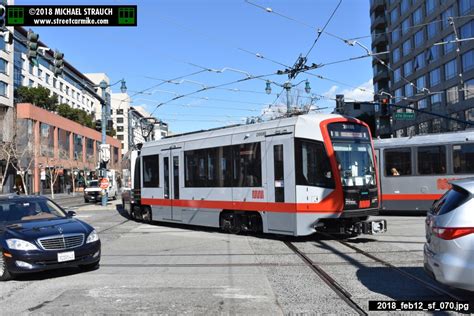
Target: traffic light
(384, 106)
(58, 63)
(32, 45)
(98, 125)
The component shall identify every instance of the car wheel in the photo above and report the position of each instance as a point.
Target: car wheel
(146, 215)
(90, 267)
(5, 275)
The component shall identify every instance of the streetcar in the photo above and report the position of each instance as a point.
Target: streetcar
(415, 171)
(289, 176)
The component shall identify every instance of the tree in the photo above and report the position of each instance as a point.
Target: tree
(53, 166)
(23, 157)
(39, 96)
(72, 165)
(76, 115)
(6, 155)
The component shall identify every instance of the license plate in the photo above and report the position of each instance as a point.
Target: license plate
(66, 256)
(379, 227)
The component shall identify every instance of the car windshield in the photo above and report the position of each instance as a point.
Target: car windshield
(93, 184)
(28, 210)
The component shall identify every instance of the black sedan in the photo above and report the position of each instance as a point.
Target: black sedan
(36, 235)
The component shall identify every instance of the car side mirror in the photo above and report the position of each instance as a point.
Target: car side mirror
(70, 214)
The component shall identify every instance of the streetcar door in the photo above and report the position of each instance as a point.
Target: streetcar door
(280, 175)
(174, 192)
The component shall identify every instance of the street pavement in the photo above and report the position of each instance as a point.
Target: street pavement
(175, 270)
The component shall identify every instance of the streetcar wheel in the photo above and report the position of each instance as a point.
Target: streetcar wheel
(146, 215)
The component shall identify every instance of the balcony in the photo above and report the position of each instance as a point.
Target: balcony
(377, 5)
(379, 38)
(378, 21)
(381, 75)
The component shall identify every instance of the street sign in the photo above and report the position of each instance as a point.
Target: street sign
(104, 183)
(404, 116)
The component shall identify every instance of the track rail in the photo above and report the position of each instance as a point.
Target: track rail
(336, 287)
(432, 287)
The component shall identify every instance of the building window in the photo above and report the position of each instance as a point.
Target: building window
(445, 16)
(435, 77)
(77, 147)
(120, 137)
(2, 43)
(47, 77)
(465, 6)
(467, 30)
(119, 111)
(448, 47)
(419, 61)
(419, 38)
(436, 99)
(418, 16)
(406, 47)
(3, 89)
(31, 67)
(46, 140)
(398, 159)
(432, 160)
(395, 35)
(421, 83)
(408, 68)
(408, 90)
(450, 69)
(55, 83)
(430, 6)
(468, 89)
(397, 75)
(396, 55)
(61, 86)
(119, 119)
(468, 60)
(422, 104)
(31, 83)
(405, 6)
(432, 29)
(3, 66)
(452, 95)
(398, 94)
(120, 128)
(394, 15)
(432, 53)
(405, 26)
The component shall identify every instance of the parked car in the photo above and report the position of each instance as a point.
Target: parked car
(449, 247)
(36, 235)
(93, 191)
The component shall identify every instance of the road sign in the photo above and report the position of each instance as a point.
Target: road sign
(404, 116)
(104, 183)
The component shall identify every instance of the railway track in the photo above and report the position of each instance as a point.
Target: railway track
(336, 287)
(426, 284)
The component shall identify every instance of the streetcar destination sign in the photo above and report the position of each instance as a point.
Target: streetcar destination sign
(404, 116)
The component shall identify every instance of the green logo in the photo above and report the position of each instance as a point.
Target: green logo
(15, 16)
(126, 16)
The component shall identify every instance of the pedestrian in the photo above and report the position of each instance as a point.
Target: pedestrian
(68, 188)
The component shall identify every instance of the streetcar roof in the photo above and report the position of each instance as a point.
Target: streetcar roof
(454, 137)
(307, 119)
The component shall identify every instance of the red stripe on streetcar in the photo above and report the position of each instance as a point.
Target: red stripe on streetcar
(323, 207)
(410, 197)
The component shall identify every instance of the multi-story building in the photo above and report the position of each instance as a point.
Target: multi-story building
(354, 109)
(120, 107)
(426, 68)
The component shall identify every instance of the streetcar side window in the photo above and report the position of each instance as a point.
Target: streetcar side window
(463, 158)
(312, 164)
(397, 162)
(151, 171)
(227, 166)
(137, 174)
(432, 160)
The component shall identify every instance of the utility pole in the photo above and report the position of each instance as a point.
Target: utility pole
(103, 162)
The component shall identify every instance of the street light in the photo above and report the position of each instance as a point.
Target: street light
(105, 115)
(287, 86)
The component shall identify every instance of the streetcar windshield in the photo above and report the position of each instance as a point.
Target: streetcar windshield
(353, 149)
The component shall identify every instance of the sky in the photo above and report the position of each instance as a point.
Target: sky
(174, 38)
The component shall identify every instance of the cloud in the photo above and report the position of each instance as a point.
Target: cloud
(363, 92)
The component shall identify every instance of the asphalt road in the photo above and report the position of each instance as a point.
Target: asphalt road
(172, 269)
